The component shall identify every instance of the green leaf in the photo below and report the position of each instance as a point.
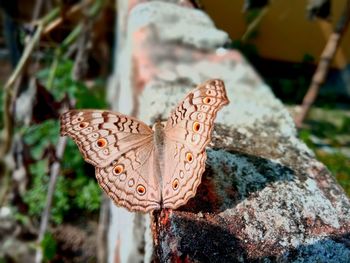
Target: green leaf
(49, 246)
(74, 189)
(89, 197)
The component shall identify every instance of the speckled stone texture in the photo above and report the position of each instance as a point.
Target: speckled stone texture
(263, 196)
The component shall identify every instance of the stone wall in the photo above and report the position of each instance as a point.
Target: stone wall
(263, 195)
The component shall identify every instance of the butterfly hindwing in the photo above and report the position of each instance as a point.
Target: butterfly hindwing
(182, 173)
(131, 180)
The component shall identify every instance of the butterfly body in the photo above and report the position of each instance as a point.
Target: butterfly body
(144, 169)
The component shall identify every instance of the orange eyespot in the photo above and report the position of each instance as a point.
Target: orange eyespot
(118, 169)
(101, 143)
(175, 184)
(206, 100)
(79, 119)
(196, 126)
(189, 157)
(83, 125)
(141, 190)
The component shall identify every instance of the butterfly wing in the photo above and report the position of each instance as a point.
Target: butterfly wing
(187, 133)
(122, 150)
(182, 173)
(103, 136)
(132, 181)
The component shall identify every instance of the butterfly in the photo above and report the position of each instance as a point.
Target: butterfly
(142, 168)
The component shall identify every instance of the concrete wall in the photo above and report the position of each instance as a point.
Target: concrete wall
(263, 195)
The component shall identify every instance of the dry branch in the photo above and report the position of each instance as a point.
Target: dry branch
(37, 8)
(10, 92)
(55, 168)
(72, 12)
(254, 24)
(324, 64)
(54, 172)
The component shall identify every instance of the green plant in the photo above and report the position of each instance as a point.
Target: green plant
(49, 247)
(331, 128)
(339, 165)
(93, 97)
(76, 187)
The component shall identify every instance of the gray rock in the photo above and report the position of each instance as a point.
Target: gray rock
(264, 196)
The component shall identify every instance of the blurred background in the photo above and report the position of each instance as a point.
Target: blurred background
(59, 54)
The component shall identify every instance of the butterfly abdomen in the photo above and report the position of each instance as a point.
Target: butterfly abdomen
(159, 147)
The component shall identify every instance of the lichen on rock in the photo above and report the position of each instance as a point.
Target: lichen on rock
(263, 196)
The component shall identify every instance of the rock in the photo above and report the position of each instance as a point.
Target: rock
(263, 196)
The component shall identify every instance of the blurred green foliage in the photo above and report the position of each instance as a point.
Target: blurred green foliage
(49, 246)
(76, 186)
(328, 133)
(92, 97)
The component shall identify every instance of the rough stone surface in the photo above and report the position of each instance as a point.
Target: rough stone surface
(263, 196)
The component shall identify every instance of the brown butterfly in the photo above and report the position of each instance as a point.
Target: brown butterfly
(141, 168)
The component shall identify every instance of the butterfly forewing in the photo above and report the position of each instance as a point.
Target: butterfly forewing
(187, 133)
(103, 136)
(122, 150)
(192, 121)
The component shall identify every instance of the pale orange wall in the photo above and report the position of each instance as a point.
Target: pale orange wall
(284, 32)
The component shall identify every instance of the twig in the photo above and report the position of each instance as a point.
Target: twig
(80, 64)
(10, 93)
(7, 138)
(42, 27)
(324, 64)
(69, 40)
(254, 24)
(25, 56)
(70, 13)
(5, 183)
(55, 168)
(54, 172)
(37, 8)
(30, 46)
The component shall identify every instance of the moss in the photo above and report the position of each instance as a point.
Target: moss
(328, 133)
(339, 165)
